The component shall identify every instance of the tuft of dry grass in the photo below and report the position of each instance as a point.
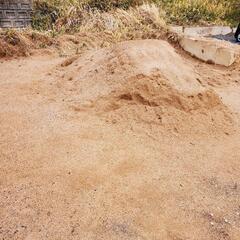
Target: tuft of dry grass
(20, 43)
(145, 21)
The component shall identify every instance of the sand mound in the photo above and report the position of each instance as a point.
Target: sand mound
(100, 72)
(125, 80)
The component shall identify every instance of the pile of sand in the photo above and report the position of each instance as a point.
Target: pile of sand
(100, 72)
(144, 80)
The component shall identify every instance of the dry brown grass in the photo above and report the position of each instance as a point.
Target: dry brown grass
(14, 43)
(97, 29)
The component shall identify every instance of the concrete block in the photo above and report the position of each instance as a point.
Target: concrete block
(207, 31)
(203, 31)
(210, 50)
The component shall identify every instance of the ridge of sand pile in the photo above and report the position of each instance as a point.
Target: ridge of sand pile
(132, 78)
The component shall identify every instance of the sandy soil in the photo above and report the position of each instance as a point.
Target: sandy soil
(137, 141)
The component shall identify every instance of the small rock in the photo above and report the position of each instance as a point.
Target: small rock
(226, 220)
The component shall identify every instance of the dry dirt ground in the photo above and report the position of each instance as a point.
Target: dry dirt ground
(136, 141)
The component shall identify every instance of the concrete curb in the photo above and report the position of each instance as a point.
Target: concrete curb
(211, 50)
(203, 31)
